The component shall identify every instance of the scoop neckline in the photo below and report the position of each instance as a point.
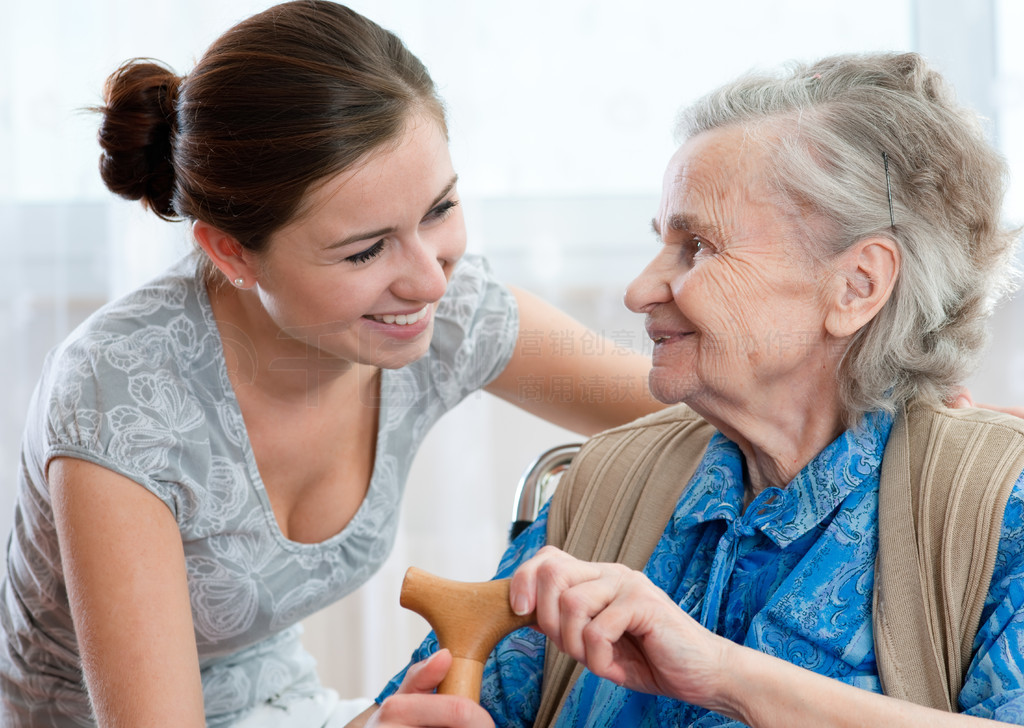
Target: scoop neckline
(255, 478)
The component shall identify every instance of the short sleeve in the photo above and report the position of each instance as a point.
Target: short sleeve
(109, 406)
(128, 391)
(475, 331)
(994, 685)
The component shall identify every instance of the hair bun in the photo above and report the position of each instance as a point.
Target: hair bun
(139, 120)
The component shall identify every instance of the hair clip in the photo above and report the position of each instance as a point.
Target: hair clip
(888, 190)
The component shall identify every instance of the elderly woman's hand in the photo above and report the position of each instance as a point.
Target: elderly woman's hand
(625, 629)
(622, 627)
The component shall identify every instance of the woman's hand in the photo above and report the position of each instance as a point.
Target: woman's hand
(416, 704)
(964, 399)
(622, 627)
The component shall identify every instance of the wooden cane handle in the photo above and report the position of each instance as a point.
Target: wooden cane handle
(464, 678)
(469, 618)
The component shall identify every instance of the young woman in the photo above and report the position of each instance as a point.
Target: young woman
(222, 452)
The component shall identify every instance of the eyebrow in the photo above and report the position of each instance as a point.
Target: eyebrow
(682, 222)
(355, 238)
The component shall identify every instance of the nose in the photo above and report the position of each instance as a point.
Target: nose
(425, 271)
(649, 288)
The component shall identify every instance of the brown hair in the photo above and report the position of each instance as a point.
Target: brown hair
(281, 101)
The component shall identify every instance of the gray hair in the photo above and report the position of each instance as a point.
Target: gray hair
(825, 127)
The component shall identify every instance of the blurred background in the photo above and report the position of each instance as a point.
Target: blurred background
(561, 119)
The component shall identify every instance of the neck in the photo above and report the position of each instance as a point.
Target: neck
(777, 436)
(281, 368)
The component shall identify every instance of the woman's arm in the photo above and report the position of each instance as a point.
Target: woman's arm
(769, 693)
(125, 570)
(571, 376)
(625, 629)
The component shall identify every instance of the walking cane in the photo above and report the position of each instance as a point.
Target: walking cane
(468, 618)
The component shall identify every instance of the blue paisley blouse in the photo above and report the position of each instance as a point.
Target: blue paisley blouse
(791, 576)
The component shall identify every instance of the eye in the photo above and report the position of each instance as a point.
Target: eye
(369, 254)
(693, 246)
(694, 249)
(442, 211)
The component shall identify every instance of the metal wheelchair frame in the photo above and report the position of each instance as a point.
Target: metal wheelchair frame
(538, 483)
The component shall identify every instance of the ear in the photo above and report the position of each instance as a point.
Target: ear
(864, 278)
(237, 264)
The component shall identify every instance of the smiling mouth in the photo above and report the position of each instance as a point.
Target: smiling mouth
(402, 319)
(662, 338)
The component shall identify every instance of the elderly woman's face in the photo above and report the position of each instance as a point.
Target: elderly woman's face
(733, 301)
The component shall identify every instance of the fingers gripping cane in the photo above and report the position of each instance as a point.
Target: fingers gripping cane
(468, 618)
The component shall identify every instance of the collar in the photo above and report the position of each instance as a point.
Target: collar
(851, 463)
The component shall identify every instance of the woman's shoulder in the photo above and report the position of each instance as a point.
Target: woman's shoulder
(476, 326)
(163, 297)
(160, 320)
(972, 417)
(473, 293)
(150, 351)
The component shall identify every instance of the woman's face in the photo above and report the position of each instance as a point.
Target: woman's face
(734, 303)
(358, 274)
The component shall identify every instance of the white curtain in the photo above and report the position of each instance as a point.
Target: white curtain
(561, 120)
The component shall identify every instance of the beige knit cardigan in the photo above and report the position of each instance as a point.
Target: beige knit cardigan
(946, 476)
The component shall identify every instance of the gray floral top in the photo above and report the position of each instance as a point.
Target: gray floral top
(141, 388)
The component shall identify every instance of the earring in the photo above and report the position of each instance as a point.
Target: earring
(239, 282)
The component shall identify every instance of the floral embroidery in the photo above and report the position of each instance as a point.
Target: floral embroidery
(142, 389)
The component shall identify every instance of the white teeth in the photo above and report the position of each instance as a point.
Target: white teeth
(402, 319)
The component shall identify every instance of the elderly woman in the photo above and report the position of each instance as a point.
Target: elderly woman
(830, 247)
